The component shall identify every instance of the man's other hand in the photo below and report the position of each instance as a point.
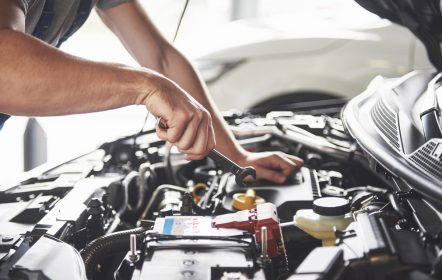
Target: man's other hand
(272, 166)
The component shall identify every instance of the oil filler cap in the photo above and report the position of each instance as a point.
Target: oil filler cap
(246, 201)
(331, 206)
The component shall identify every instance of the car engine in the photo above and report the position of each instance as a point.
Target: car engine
(135, 209)
(366, 204)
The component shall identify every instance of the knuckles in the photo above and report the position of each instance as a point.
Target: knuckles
(173, 138)
(184, 115)
(182, 119)
(210, 146)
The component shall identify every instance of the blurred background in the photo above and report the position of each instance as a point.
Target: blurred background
(237, 46)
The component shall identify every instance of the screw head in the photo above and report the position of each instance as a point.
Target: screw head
(188, 273)
(189, 262)
(7, 239)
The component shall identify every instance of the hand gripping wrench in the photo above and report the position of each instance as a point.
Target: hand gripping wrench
(240, 172)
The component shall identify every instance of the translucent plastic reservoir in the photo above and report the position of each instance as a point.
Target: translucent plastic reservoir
(328, 214)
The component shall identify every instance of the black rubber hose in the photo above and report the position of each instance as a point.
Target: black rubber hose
(437, 266)
(397, 206)
(106, 245)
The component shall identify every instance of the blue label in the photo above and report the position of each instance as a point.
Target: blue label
(168, 225)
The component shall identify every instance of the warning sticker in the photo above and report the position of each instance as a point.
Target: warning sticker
(187, 225)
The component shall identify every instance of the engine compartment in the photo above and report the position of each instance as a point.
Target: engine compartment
(135, 209)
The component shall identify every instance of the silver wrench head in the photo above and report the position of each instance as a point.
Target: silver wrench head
(246, 171)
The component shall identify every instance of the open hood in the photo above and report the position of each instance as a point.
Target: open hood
(422, 17)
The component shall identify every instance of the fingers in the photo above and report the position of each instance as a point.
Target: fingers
(206, 143)
(198, 148)
(211, 144)
(189, 128)
(271, 175)
(190, 133)
(298, 161)
(277, 166)
(197, 137)
(178, 124)
(188, 124)
(162, 133)
(280, 162)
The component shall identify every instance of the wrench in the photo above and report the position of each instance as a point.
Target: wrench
(239, 172)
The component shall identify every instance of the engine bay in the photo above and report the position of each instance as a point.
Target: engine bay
(136, 209)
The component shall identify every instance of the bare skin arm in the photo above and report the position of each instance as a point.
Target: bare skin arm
(39, 80)
(145, 43)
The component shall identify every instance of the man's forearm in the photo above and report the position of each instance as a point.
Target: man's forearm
(146, 44)
(183, 73)
(40, 80)
(142, 39)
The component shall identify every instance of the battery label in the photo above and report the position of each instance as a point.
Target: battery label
(187, 226)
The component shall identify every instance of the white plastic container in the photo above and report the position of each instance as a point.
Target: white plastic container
(327, 213)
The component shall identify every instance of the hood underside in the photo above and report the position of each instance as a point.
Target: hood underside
(422, 17)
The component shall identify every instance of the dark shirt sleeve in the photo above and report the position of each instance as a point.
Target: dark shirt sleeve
(23, 4)
(107, 4)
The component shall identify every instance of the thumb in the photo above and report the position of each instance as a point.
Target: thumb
(162, 133)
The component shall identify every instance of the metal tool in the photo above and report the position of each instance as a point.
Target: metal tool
(240, 172)
(133, 256)
(264, 242)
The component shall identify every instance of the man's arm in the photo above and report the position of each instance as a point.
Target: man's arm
(145, 43)
(37, 79)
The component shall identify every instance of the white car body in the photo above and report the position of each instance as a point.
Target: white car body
(336, 55)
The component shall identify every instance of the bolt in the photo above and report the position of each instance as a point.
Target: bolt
(188, 262)
(188, 273)
(264, 242)
(133, 257)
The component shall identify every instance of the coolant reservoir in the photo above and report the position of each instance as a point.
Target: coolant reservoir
(327, 213)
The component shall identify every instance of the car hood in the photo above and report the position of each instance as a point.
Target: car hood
(422, 17)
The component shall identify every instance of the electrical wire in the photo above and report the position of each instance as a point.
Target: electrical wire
(180, 20)
(186, 3)
(167, 155)
(141, 130)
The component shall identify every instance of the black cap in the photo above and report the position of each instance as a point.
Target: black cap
(331, 206)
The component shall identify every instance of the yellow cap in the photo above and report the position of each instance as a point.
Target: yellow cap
(246, 201)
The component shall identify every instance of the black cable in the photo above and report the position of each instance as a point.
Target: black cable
(167, 159)
(437, 266)
(107, 245)
(401, 210)
(163, 237)
(180, 21)
(174, 38)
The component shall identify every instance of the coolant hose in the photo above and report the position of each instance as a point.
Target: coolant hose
(106, 245)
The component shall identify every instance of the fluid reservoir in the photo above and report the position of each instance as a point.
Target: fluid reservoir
(327, 213)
